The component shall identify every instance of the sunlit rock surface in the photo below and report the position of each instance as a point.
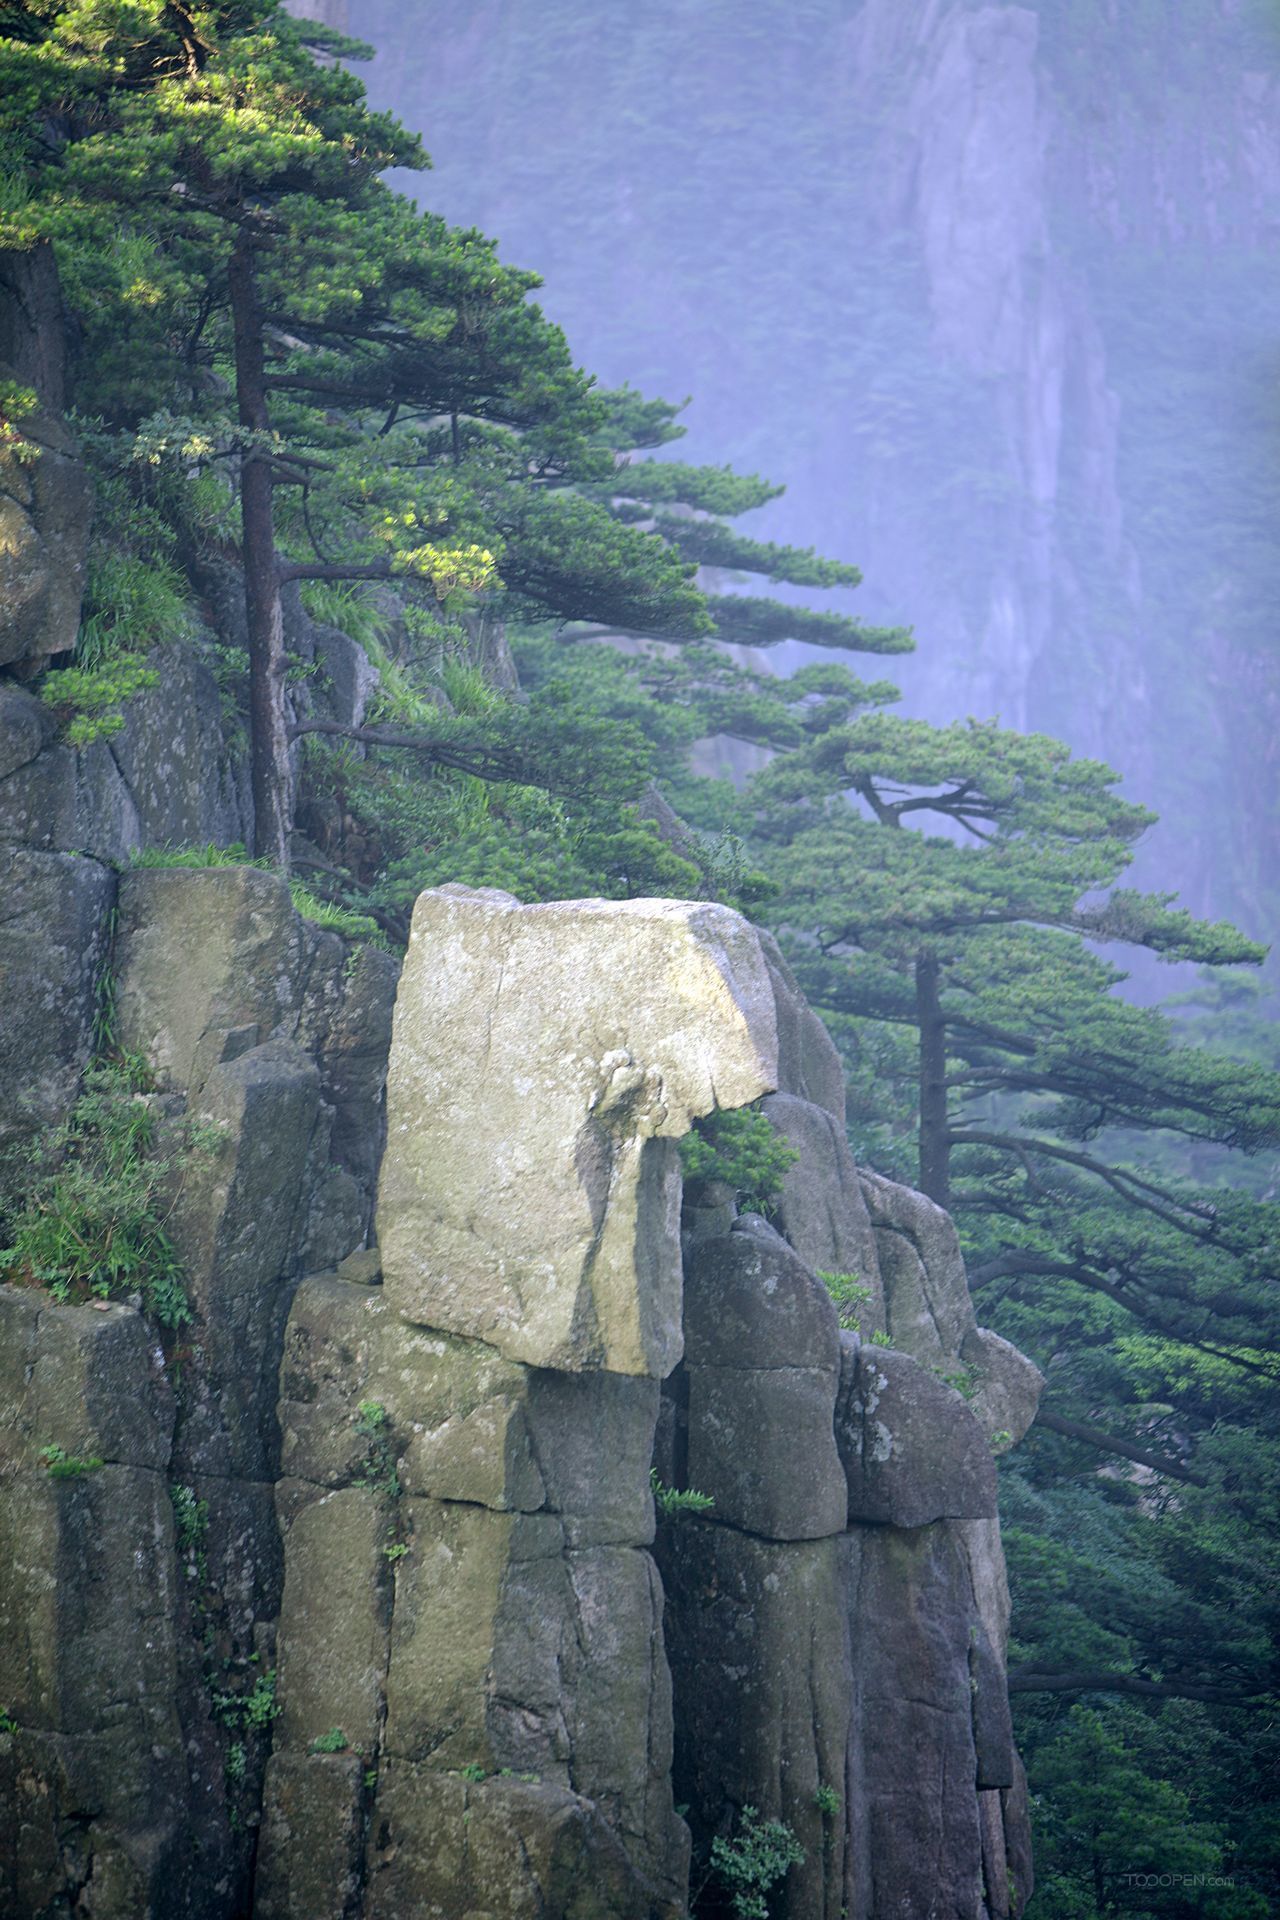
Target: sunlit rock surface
(545, 1061)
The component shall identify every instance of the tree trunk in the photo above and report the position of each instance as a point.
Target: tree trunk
(935, 1141)
(269, 743)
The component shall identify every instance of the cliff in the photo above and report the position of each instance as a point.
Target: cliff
(333, 1582)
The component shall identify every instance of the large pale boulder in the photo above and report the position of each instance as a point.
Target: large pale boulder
(545, 1061)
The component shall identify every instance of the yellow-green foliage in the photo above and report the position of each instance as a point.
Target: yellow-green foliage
(740, 1149)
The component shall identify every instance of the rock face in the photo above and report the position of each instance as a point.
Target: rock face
(140, 1581)
(531, 1192)
(44, 522)
(373, 1570)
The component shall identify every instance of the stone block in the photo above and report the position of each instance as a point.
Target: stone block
(761, 1445)
(751, 1302)
(232, 1224)
(52, 949)
(453, 1849)
(45, 508)
(334, 1618)
(203, 954)
(311, 1850)
(913, 1765)
(481, 1610)
(27, 726)
(911, 1448)
(1007, 1387)
(762, 1365)
(821, 1209)
(86, 1378)
(928, 1312)
(530, 1190)
(592, 1436)
(757, 1639)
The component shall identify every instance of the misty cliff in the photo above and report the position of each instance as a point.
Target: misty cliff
(992, 287)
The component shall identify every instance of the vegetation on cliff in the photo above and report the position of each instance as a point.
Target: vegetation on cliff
(281, 364)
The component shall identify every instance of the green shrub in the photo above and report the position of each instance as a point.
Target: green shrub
(754, 1861)
(62, 1465)
(190, 1528)
(849, 1293)
(740, 1149)
(89, 699)
(671, 1502)
(91, 1221)
(335, 1741)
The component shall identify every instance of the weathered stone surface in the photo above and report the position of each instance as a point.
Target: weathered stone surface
(530, 1193)
(911, 1448)
(311, 1850)
(45, 504)
(206, 963)
(809, 1065)
(453, 1849)
(32, 341)
(928, 1312)
(53, 943)
(1007, 1387)
(992, 1720)
(445, 1399)
(1015, 1817)
(592, 1439)
(99, 1812)
(762, 1366)
(186, 786)
(751, 1302)
(334, 1619)
(69, 800)
(757, 1639)
(345, 1021)
(912, 1805)
(821, 1208)
(88, 1669)
(232, 1224)
(465, 1567)
(26, 727)
(86, 1378)
(761, 1446)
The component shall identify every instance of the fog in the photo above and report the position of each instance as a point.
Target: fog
(994, 289)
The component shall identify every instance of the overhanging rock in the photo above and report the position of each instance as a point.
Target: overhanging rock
(545, 1061)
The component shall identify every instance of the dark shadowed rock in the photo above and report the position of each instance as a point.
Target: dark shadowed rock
(53, 945)
(762, 1364)
(809, 1064)
(821, 1209)
(928, 1311)
(45, 504)
(757, 1639)
(911, 1448)
(751, 1302)
(449, 1847)
(912, 1768)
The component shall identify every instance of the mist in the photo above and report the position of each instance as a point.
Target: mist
(993, 289)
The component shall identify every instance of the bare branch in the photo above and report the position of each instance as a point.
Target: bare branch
(1111, 1443)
